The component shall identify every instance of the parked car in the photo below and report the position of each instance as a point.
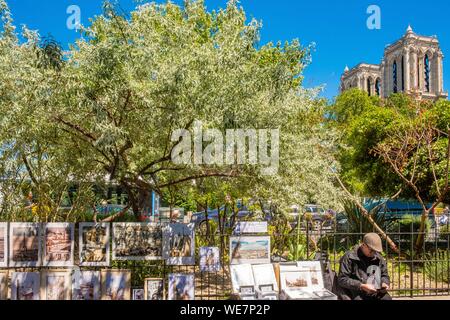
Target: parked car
(199, 218)
(320, 218)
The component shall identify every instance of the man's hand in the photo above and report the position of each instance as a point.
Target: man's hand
(384, 287)
(368, 288)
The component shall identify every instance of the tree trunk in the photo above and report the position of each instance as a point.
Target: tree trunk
(364, 211)
(421, 236)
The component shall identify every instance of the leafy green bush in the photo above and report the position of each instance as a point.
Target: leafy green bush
(408, 228)
(357, 225)
(358, 222)
(437, 266)
(444, 232)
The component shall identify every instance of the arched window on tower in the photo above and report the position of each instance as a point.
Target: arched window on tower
(395, 76)
(369, 87)
(403, 73)
(427, 73)
(378, 87)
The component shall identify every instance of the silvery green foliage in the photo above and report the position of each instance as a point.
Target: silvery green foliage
(128, 83)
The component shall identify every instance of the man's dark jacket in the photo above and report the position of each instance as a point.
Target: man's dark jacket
(352, 272)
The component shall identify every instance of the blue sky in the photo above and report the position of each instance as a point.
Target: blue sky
(338, 28)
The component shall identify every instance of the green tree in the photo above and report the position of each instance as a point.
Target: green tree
(104, 112)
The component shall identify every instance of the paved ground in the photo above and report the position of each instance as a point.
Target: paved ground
(425, 298)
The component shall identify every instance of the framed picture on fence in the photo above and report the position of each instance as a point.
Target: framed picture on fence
(24, 244)
(179, 244)
(86, 285)
(181, 287)
(58, 244)
(94, 244)
(55, 285)
(25, 286)
(4, 285)
(253, 250)
(137, 241)
(3, 244)
(138, 294)
(154, 289)
(209, 259)
(116, 285)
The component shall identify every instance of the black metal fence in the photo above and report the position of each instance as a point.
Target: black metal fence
(414, 272)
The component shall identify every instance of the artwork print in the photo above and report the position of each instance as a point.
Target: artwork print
(314, 270)
(138, 294)
(58, 244)
(264, 275)
(181, 287)
(241, 276)
(209, 259)
(55, 285)
(254, 250)
(3, 285)
(94, 244)
(179, 244)
(3, 244)
(86, 285)
(25, 286)
(295, 280)
(116, 285)
(137, 241)
(243, 227)
(154, 289)
(25, 245)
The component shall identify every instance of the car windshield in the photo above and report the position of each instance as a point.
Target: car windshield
(314, 210)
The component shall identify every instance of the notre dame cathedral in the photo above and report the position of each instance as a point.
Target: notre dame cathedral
(412, 65)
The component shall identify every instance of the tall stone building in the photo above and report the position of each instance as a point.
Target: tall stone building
(412, 65)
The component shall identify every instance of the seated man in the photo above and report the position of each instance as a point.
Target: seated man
(359, 267)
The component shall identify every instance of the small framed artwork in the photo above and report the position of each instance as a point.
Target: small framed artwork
(58, 244)
(264, 274)
(181, 287)
(247, 290)
(138, 294)
(137, 241)
(241, 276)
(295, 280)
(243, 227)
(253, 250)
(3, 244)
(266, 288)
(24, 244)
(25, 286)
(3, 285)
(154, 289)
(86, 285)
(209, 259)
(94, 244)
(179, 244)
(116, 284)
(247, 297)
(55, 285)
(314, 269)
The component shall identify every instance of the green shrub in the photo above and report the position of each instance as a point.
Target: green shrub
(437, 266)
(444, 232)
(408, 228)
(357, 225)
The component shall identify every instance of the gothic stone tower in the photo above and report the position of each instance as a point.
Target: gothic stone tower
(412, 65)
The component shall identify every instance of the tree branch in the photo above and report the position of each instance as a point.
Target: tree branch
(364, 211)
